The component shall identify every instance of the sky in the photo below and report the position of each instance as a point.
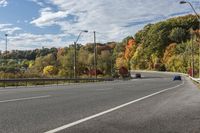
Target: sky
(32, 24)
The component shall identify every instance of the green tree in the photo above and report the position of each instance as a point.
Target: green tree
(178, 34)
(66, 63)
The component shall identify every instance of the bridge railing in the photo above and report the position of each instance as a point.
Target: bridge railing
(47, 81)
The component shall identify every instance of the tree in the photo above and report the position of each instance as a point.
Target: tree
(50, 70)
(104, 61)
(178, 34)
(124, 72)
(169, 52)
(66, 62)
(83, 60)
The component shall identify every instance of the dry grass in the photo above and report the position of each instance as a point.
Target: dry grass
(197, 84)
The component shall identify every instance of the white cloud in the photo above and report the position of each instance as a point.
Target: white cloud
(48, 17)
(3, 3)
(9, 28)
(26, 41)
(5, 25)
(115, 19)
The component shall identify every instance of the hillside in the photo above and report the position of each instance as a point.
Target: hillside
(165, 45)
(170, 45)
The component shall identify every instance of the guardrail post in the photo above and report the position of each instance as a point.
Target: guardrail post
(4, 84)
(16, 84)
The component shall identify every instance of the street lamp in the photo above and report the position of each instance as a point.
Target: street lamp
(6, 35)
(198, 18)
(186, 2)
(95, 55)
(75, 44)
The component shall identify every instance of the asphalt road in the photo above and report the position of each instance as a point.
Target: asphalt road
(153, 104)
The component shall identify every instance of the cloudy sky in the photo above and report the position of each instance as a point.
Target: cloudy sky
(34, 24)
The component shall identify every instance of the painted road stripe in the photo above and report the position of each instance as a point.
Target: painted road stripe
(108, 111)
(23, 99)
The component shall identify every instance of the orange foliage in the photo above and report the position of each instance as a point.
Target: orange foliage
(169, 52)
(131, 42)
(129, 49)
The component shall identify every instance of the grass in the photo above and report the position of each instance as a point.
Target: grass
(197, 84)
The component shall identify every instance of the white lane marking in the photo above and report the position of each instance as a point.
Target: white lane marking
(3, 90)
(110, 110)
(22, 99)
(103, 89)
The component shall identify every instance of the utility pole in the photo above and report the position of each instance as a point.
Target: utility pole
(75, 60)
(111, 72)
(192, 56)
(199, 43)
(95, 55)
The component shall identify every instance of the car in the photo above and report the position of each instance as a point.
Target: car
(177, 77)
(138, 75)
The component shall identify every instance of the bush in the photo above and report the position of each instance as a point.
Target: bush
(124, 72)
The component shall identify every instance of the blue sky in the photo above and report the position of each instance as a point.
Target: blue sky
(56, 23)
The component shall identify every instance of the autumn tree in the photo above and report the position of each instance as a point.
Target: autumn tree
(50, 70)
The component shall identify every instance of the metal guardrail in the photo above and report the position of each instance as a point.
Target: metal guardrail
(45, 81)
(195, 79)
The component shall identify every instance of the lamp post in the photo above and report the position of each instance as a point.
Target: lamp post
(6, 35)
(198, 18)
(111, 64)
(75, 45)
(95, 55)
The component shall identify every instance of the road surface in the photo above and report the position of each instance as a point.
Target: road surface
(153, 104)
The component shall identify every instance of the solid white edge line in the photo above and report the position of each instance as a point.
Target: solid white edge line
(22, 99)
(109, 110)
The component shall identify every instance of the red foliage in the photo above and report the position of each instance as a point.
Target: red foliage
(93, 72)
(123, 72)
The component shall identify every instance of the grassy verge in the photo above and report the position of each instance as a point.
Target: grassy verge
(197, 84)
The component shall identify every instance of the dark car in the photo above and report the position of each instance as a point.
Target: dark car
(177, 77)
(137, 75)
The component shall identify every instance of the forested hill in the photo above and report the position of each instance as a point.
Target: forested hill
(56, 62)
(165, 45)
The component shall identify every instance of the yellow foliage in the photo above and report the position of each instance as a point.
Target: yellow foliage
(50, 70)
(121, 62)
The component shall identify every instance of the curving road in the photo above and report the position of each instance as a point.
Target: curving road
(153, 104)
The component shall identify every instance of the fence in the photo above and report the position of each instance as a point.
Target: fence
(45, 81)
